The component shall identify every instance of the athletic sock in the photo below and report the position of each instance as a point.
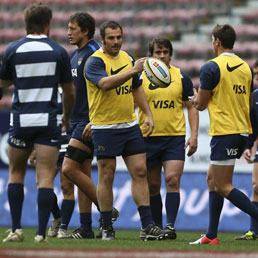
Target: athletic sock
(145, 216)
(106, 218)
(156, 209)
(215, 207)
(241, 201)
(85, 220)
(56, 211)
(46, 200)
(15, 193)
(172, 206)
(67, 208)
(254, 224)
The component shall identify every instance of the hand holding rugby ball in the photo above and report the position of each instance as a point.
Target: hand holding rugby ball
(157, 72)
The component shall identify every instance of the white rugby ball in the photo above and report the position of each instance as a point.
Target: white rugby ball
(157, 72)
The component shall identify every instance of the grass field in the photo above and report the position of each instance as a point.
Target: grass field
(129, 239)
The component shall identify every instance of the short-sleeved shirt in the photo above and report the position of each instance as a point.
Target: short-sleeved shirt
(35, 64)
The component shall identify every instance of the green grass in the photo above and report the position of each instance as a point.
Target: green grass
(129, 239)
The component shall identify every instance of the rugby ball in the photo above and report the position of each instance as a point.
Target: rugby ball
(157, 72)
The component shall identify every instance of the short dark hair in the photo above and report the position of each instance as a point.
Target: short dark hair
(85, 21)
(37, 16)
(109, 24)
(255, 64)
(160, 42)
(226, 34)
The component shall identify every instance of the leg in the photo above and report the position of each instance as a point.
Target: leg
(173, 172)
(72, 169)
(67, 204)
(85, 230)
(216, 202)
(154, 182)
(136, 165)
(17, 168)
(106, 173)
(77, 167)
(46, 157)
(222, 176)
(215, 207)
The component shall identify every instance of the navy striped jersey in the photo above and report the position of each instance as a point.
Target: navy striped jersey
(36, 65)
(78, 59)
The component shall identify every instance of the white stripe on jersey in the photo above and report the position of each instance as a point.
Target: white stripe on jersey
(33, 46)
(38, 119)
(35, 95)
(11, 119)
(36, 69)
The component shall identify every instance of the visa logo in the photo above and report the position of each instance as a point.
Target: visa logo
(231, 152)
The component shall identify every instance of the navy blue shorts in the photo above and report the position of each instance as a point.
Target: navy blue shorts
(227, 146)
(26, 137)
(76, 129)
(116, 142)
(163, 148)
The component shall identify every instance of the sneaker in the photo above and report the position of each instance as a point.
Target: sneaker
(61, 233)
(115, 215)
(249, 235)
(52, 232)
(16, 236)
(170, 232)
(108, 234)
(40, 239)
(80, 234)
(205, 240)
(152, 232)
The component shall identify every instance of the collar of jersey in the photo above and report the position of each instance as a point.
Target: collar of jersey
(41, 36)
(227, 54)
(101, 49)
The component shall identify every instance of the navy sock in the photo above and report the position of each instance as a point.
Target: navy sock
(241, 201)
(85, 220)
(254, 224)
(67, 208)
(156, 209)
(46, 200)
(145, 215)
(215, 207)
(172, 206)
(15, 193)
(56, 211)
(106, 218)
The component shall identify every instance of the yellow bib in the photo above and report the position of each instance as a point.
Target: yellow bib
(166, 105)
(229, 106)
(116, 105)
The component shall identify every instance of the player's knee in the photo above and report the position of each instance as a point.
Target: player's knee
(209, 180)
(172, 181)
(67, 189)
(139, 173)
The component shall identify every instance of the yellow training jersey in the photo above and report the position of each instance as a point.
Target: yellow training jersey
(229, 105)
(166, 105)
(116, 105)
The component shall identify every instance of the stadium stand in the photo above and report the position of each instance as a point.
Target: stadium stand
(187, 23)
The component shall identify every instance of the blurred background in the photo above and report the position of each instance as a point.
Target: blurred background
(188, 24)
